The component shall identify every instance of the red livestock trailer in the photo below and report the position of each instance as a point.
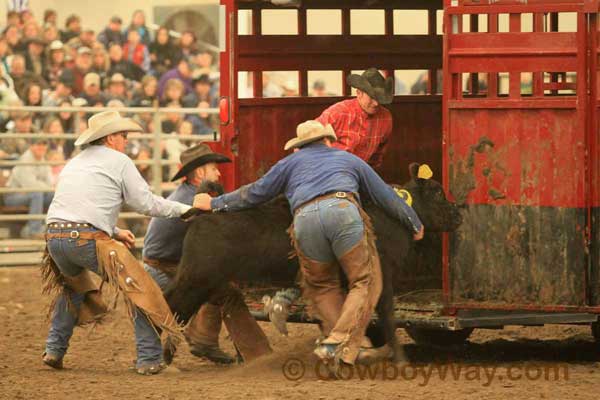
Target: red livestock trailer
(508, 123)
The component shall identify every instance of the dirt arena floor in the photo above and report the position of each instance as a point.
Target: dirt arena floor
(552, 362)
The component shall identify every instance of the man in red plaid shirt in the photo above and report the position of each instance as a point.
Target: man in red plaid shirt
(361, 124)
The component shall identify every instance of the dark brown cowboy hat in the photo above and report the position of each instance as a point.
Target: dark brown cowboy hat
(197, 156)
(374, 84)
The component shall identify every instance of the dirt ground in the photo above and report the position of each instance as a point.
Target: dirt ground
(551, 362)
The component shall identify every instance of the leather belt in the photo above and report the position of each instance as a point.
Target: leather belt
(338, 195)
(168, 267)
(95, 235)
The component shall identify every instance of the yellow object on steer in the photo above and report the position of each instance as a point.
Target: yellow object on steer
(405, 194)
(424, 172)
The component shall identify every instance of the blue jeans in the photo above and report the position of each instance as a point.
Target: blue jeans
(325, 230)
(71, 259)
(147, 341)
(35, 201)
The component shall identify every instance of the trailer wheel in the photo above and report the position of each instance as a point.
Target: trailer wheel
(596, 331)
(438, 337)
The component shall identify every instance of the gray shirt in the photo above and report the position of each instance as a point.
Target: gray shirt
(93, 186)
(30, 176)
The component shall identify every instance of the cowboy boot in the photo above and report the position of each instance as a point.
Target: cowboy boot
(202, 334)
(363, 270)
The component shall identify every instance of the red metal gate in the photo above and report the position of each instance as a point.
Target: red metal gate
(522, 155)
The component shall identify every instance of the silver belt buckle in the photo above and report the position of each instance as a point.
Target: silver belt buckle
(74, 234)
(341, 195)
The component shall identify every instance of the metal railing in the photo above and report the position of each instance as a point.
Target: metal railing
(157, 136)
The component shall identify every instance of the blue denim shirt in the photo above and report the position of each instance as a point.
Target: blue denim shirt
(316, 170)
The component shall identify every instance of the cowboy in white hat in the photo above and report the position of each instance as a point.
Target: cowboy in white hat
(163, 246)
(363, 126)
(330, 230)
(90, 191)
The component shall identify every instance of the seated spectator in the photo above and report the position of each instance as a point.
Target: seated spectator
(34, 57)
(33, 97)
(181, 72)
(270, 88)
(116, 89)
(124, 67)
(135, 51)
(92, 91)
(138, 23)
(5, 53)
(203, 63)
(201, 92)
(63, 90)
(87, 38)
(146, 95)
(14, 18)
(83, 65)
(31, 176)
(13, 38)
(187, 44)
(164, 55)
(21, 77)
(202, 122)
(55, 62)
(67, 120)
(172, 119)
(50, 16)
(8, 97)
(73, 28)
(31, 30)
(55, 170)
(50, 33)
(100, 61)
(175, 146)
(112, 33)
(144, 153)
(173, 92)
(21, 123)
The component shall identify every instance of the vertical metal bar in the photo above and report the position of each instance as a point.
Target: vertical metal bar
(346, 89)
(592, 138)
(156, 155)
(553, 28)
(432, 83)
(448, 82)
(514, 77)
(257, 78)
(492, 91)
(302, 73)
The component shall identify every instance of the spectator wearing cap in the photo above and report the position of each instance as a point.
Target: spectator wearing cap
(34, 57)
(31, 176)
(138, 23)
(86, 38)
(72, 28)
(21, 77)
(163, 53)
(182, 72)
(116, 88)
(83, 65)
(202, 92)
(122, 66)
(112, 33)
(55, 62)
(135, 51)
(62, 91)
(92, 90)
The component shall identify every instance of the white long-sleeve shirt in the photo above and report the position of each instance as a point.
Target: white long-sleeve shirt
(93, 186)
(30, 176)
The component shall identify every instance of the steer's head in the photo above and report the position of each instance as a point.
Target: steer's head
(429, 200)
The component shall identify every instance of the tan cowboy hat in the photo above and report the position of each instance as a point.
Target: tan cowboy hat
(104, 124)
(374, 84)
(310, 131)
(197, 156)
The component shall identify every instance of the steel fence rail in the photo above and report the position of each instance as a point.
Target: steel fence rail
(156, 137)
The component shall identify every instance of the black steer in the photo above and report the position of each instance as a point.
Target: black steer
(247, 245)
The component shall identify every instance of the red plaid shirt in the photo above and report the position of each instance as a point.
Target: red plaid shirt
(361, 134)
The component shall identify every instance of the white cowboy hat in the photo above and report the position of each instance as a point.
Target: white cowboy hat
(310, 131)
(104, 124)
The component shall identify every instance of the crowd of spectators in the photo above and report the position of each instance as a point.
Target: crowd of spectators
(123, 65)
